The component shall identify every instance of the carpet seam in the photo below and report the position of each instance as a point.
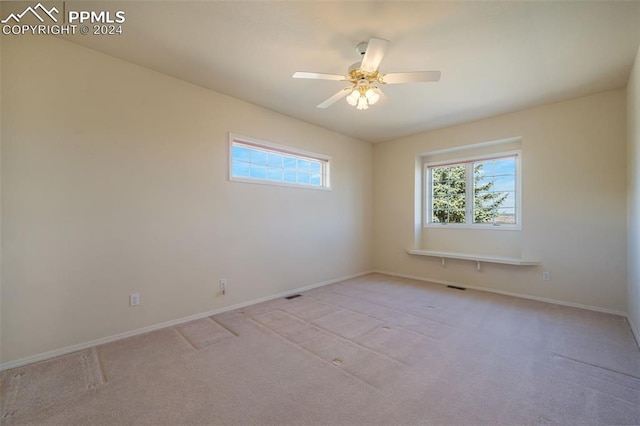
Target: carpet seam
(224, 326)
(596, 366)
(57, 352)
(91, 370)
(371, 290)
(594, 389)
(9, 410)
(295, 345)
(344, 339)
(396, 310)
(185, 338)
(101, 364)
(502, 364)
(366, 332)
(386, 307)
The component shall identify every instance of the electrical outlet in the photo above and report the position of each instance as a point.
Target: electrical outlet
(546, 276)
(134, 299)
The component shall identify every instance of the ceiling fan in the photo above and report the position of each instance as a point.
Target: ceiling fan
(364, 76)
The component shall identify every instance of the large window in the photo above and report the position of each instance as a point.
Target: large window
(477, 192)
(264, 162)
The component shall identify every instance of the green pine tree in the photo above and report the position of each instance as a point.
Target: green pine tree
(449, 189)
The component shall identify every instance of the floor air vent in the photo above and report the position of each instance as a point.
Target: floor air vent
(456, 287)
(293, 296)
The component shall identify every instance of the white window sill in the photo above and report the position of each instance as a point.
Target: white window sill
(467, 226)
(278, 183)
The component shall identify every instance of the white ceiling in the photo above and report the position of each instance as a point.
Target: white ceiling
(495, 57)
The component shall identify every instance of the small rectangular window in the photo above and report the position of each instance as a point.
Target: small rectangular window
(265, 162)
(478, 191)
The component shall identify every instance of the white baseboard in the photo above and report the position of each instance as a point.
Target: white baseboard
(634, 330)
(85, 345)
(509, 293)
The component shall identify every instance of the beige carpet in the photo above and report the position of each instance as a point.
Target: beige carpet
(375, 350)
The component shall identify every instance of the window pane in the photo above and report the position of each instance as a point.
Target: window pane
(274, 160)
(276, 165)
(484, 215)
(493, 197)
(486, 205)
(457, 172)
(448, 174)
(506, 216)
(439, 216)
(258, 171)
(290, 162)
(483, 168)
(290, 176)
(494, 189)
(240, 169)
(456, 187)
(258, 157)
(303, 165)
(457, 201)
(504, 183)
(506, 166)
(275, 174)
(316, 167)
(241, 153)
(485, 200)
(303, 177)
(484, 184)
(456, 216)
(440, 190)
(448, 194)
(510, 201)
(440, 203)
(315, 180)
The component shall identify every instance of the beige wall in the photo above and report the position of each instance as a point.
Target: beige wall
(114, 180)
(574, 205)
(633, 185)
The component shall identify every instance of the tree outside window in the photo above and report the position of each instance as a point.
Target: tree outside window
(478, 192)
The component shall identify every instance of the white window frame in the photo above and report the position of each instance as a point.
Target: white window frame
(240, 140)
(469, 201)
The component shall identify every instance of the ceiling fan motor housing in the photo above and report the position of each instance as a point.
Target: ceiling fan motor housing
(354, 66)
(362, 48)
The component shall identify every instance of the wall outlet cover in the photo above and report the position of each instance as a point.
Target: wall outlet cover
(134, 299)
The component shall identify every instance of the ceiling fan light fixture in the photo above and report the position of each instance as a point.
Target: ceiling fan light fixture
(353, 97)
(365, 73)
(372, 95)
(362, 103)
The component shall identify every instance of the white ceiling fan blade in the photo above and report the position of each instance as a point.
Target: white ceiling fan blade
(341, 94)
(411, 77)
(374, 54)
(318, 76)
